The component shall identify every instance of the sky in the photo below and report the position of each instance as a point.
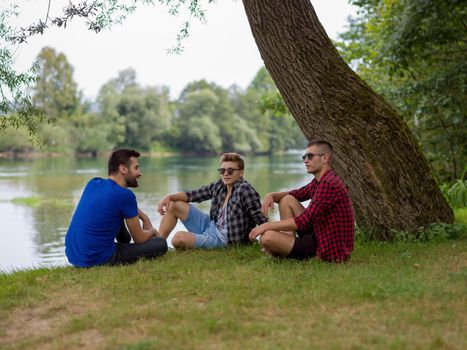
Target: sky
(221, 50)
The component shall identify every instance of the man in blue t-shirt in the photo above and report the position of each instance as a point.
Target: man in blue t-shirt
(99, 219)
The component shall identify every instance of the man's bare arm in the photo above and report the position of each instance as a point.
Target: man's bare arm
(270, 199)
(164, 204)
(139, 234)
(282, 225)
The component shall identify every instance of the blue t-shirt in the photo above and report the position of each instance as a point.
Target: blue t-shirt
(97, 220)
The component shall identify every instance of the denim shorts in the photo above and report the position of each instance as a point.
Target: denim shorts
(204, 229)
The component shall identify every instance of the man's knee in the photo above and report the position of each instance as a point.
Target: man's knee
(268, 239)
(179, 209)
(288, 200)
(160, 245)
(289, 206)
(155, 247)
(179, 240)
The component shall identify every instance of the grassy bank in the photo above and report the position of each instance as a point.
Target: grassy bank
(391, 295)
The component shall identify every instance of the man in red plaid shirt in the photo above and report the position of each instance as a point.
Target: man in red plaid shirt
(326, 228)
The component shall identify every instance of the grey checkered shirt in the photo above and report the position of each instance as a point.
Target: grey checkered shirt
(243, 207)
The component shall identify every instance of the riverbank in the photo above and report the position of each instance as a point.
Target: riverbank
(34, 154)
(390, 295)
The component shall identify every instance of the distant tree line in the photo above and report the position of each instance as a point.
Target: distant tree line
(205, 119)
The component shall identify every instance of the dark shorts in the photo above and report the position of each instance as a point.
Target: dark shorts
(304, 247)
(129, 253)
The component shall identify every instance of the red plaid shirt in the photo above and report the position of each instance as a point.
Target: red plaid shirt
(329, 215)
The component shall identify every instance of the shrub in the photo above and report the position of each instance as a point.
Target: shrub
(456, 192)
(436, 232)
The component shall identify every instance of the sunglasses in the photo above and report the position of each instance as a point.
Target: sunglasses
(229, 171)
(309, 156)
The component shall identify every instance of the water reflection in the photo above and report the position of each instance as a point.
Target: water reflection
(50, 229)
(49, 189)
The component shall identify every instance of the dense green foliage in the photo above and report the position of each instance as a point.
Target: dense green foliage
(55, 93)
(205, 119)
(413, 53)
(135, 116)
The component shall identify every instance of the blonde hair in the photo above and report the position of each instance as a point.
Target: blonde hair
(233, 157)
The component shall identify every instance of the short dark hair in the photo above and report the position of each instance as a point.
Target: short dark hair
(324, 146)
(233, 157)
(121, 156)
(320, 143)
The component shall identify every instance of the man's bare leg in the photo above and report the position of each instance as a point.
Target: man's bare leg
(277, 243)
(289, 207)
(177, 210)
(184, 240)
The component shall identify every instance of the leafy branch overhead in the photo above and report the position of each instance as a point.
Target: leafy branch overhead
(16, 108)
(104, 14)
(82, 10)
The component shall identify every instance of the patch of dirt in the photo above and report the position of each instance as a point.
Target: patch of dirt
(46, 321)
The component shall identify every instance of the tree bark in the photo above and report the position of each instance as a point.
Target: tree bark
(390, 181)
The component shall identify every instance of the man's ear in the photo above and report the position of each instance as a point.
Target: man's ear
(122, 169)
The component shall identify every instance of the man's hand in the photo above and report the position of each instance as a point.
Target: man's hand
(154, 232)
(257, 231)
(163, 205)
(268, 203)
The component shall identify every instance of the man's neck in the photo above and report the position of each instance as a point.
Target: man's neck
(319, 174)
(119, 180)
(231, 186)
(229, 189)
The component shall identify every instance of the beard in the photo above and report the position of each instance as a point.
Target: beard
(131, 181)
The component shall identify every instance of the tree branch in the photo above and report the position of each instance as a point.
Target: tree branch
(81, 10)
(48, 11)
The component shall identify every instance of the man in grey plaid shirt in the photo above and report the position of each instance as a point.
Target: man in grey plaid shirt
(235, 210)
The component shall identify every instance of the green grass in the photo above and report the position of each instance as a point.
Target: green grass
(35, 201)
(389, 296)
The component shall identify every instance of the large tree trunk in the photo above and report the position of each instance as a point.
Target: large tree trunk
(390, 181)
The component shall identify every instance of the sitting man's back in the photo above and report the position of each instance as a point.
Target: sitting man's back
(99, 219)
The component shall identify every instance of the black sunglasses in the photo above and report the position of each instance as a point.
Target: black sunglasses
(309, 156)
(229, 171)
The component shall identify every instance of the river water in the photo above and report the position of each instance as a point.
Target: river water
(38, 197)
